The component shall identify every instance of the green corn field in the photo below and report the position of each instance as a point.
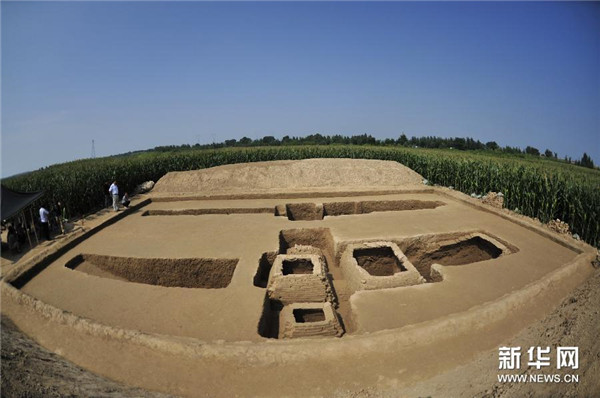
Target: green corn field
(537, 188)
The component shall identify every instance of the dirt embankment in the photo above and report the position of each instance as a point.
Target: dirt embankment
(574, 323)
(31, 371)
(290, 174)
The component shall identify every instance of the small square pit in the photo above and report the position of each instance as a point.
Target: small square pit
(378, 265)
(299, 278)
(309, 320)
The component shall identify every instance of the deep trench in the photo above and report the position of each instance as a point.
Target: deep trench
(314, 211)
(319, 238)
(206, 273)
(472, 250)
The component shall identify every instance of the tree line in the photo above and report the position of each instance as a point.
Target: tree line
(458, 143)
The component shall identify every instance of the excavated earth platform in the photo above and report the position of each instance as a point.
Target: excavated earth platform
(172, 295)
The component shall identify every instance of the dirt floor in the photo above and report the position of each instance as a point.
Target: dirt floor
(29, 370)
(129, 292)
(138, 253)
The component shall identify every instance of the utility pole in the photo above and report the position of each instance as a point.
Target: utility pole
(93, 150)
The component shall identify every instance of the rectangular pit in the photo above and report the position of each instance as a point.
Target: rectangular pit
(468, 251)
(304, 211)
(317, 211)
(294, 241)
(452, 249)
(297, 266)
(303, 315)
(204, 273)
(201, 212)
(377, 265)
(299, 278)
(378, 261)
(309, 320)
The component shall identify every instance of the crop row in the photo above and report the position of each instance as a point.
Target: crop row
(537, 191)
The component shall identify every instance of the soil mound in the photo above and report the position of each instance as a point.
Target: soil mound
(284, 175)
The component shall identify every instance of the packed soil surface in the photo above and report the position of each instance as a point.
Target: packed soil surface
(233, 313)
(290, 174)
(29, 370)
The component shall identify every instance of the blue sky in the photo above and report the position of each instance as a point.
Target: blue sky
(141, 74)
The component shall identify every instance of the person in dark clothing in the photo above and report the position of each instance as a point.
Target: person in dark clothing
(13, 240)
(107, 198)
(125, 201)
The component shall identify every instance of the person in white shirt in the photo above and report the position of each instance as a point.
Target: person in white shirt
(44, 218)
(114, 191)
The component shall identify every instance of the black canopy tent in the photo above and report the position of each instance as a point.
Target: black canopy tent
(13, 203)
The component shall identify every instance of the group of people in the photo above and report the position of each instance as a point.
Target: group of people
(52, 219)
(16, 236)
(48, 221)
(113, 192)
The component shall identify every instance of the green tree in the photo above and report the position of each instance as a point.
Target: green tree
(532, 151)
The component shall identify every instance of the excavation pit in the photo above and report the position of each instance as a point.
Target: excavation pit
(203, 212)
(261, 278)
(302, 315)
(308, 241)
(204, 273)
(452, 250)
(379, 261)
(309, 320)
(99, 321)
(317, 211)
(299, 278)
(377, 265)
(304, 211)
(297, 266)
(468, 251)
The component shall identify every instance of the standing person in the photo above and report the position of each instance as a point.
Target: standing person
(44, 221)
(114, 191)
(13, 240)
(59, 216)
(125, 201)
(106, 194)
